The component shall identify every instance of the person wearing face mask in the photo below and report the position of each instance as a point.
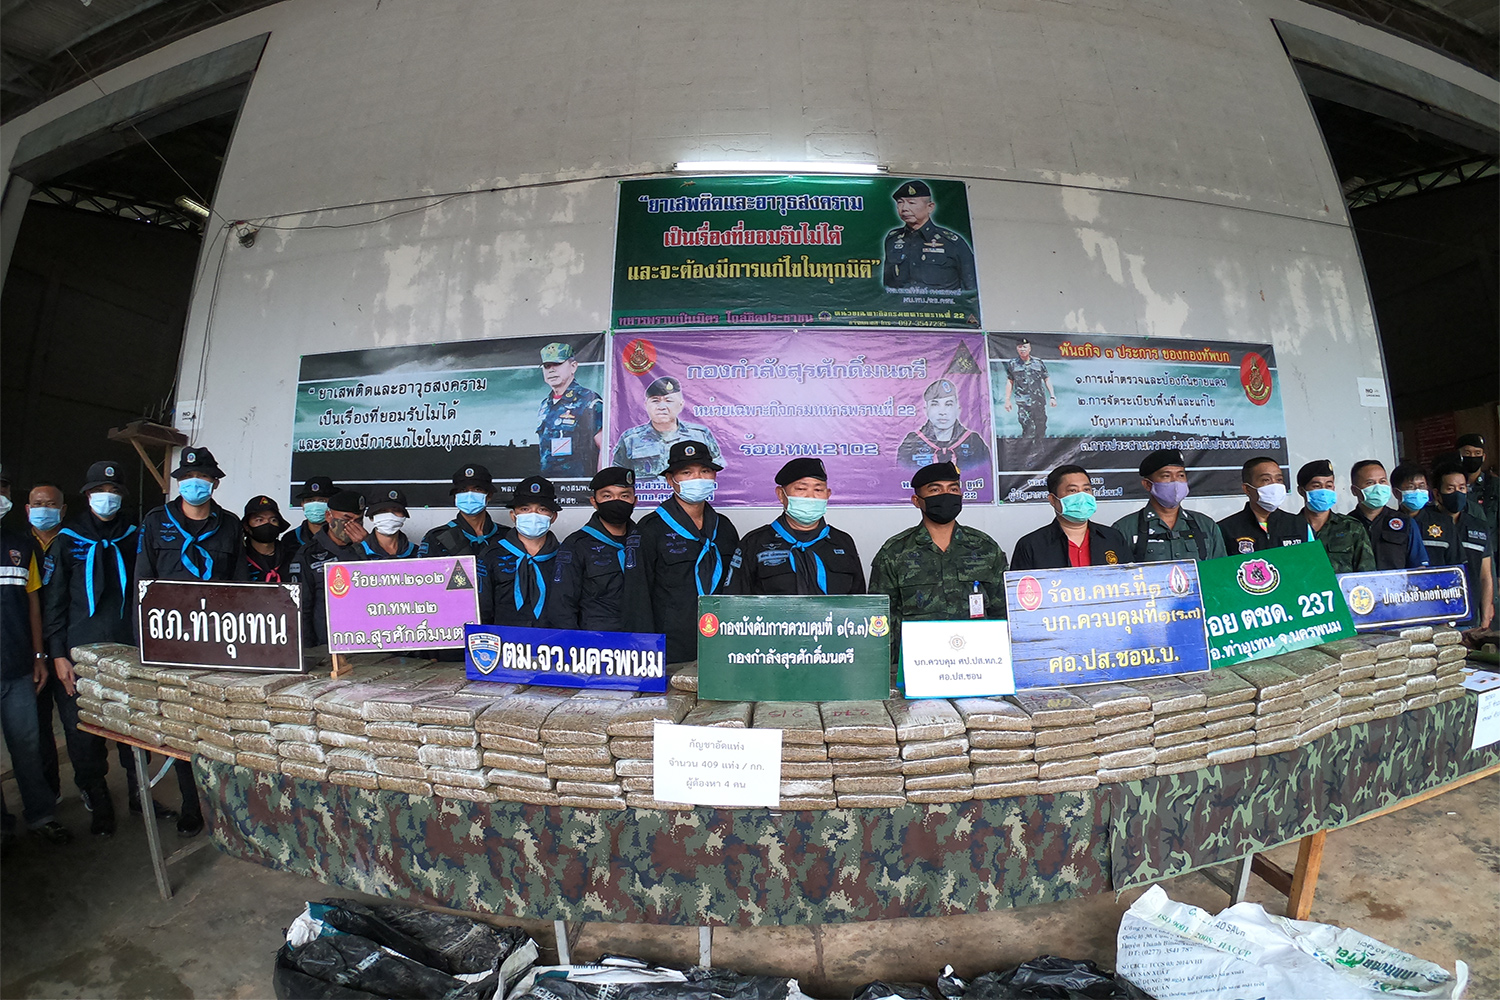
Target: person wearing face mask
(45, 511)
(269, 548)
(1394, 536)
(938, 569)
(388, 514)
(597, 582)
(799, 552)
(1262, 524)
(1409, 485)
(339, 541)
(472, 531)
(514, 572)
(1344, 538)
(87, 597)
(1070, 539)
(313, 496)
(1456, 535)
(1164, 530)
(686, 547)
(1484, 489)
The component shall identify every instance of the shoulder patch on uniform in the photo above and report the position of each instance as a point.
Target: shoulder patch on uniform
(1246, 545)
(1395, 524)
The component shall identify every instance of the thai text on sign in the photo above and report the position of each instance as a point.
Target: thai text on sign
(227, 626)
(1271, 602)
(390, 605)
(1392, 597)
(620, 661)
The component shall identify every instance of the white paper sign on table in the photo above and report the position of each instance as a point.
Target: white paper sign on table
(1480, 681)
(1487, 720)
(957, 659)
(710, 766)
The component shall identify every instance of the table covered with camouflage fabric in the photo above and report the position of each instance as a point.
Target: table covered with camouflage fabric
(757, 867)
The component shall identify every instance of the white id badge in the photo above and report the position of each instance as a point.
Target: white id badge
(976, 605)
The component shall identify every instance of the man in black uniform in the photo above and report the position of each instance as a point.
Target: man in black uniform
(339, 541)
(269, 547)
(1395, 536)
(388, 513)
(944, 438)
(686, 547)
(799, 552)
(1484, 491)
(191, 538)
(314, 500)
(597, 582)
(1262, 524)
(921, 255)
(514, 571)
(472, 531)
(1071, 539)
(1456, 535)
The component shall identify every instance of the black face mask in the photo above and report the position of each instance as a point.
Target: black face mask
(1454, 502)
(615, 511)
(1471, 463)
(942, 507)
(265, 532)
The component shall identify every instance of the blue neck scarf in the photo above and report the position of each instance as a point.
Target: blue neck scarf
(708, 546)
(819, 571)
(190, 542)
(523, 560)
(604, 537)
(107, 544)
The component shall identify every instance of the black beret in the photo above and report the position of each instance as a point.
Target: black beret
(1470, 441)
(663, 385)
(534, 489)
(347, 502)
(384, 500)
(615, 475)
(938, 472)
(1321, 467)
(912, 189)
(801, 468)
(939, 389)
(1159, 460)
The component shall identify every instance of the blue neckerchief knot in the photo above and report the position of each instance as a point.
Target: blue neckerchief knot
(708, 546)
(524, 559)
(820, 571)
(107, 544)
(619, 547)
(190, 542)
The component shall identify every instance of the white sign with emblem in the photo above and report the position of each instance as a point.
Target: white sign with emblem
(957, 659)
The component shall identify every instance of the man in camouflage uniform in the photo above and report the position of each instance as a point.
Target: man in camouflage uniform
(1027, 380)
(921, 255)
(939, 570)
(570, 430)
(645, 447)
(1345, 538)
(944, 438)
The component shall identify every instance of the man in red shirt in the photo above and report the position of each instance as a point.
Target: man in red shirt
(1071, 539)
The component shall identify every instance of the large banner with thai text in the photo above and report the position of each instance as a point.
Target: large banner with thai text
(875, 407)
(409, 417)
(796, 251)
(1106, 402)
(1272, 602)
(612, 661)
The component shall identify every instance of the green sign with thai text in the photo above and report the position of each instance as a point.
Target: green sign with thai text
(1271, 602)
(794, 251)
(794, 648)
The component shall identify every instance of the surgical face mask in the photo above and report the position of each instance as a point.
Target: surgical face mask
(1471, 463)
(44, 518)
(1415, 499)
(941, 508)
(533, 525)
(105, 504)
(1376, 495)
(1454, 502)
(1079, 507)
(387, 523)
(195, 491)
(471, 501)
(5, 506)
(697, 490)
(1171, 494)
(1270, 496)
(265, 533)
(316, 511)
(806, 510)
(1321, 500)
(615, 511)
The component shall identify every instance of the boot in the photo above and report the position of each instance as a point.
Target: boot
(102, 820)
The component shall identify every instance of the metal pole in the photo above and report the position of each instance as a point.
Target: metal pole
(560, 931)
(153, 835)
(706, 946)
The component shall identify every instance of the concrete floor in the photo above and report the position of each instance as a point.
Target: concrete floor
(85, 920)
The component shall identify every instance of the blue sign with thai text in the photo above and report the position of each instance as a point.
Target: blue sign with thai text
(1105, 623)
(1393, 597)
(614, 661)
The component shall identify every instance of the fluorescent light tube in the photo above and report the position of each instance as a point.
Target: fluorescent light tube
(775, 167)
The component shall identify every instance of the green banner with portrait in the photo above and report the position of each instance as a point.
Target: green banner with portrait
(794, 251)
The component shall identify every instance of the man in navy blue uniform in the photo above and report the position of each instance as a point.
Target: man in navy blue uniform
(921, 255)
(598, 583)
(515, 570)
(339, 541)
(472, 531)
(314, 500)
(799, 552)
(1395, 536)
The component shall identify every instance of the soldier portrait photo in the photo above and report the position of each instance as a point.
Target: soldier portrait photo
(920, 255)
(943, 436)
(570, 428)
(1028, 389)
(644, 447)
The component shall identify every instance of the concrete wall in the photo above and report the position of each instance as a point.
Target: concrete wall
(1134, 168)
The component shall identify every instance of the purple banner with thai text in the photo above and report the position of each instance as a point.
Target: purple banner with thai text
(390, 605)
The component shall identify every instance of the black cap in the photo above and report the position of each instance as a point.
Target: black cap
(663, 385)
(801, 468)
(534, 489)
(104, 474)
(1321, 467)
(1160, 459)
(938, 472)
(317, 488)
(1470, 441)
(615, 475)
(261, 504)
(197, 462)
(347, 502)
(1024, 342)
(472, 477)
(912, 189)
(690, 453)
(385, 500)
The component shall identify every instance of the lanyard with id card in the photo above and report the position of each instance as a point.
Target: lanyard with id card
(976, 602)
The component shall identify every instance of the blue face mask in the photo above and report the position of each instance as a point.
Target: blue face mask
(1415, 499)
(105, 504)
(1376, 495)
(471, 501)
(1321, 500)
(44, 518)
(195, 491)
(697, 490)
(1079, 507)
(533, 525)
(806, 510)
(316, 511)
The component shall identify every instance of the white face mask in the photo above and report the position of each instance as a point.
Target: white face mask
(5, 506)
(1270, 496)
(387, 523)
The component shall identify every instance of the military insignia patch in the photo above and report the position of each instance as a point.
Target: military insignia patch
(708, 625)
(879, 625)
(1434, 531)
(1257, 577)
(1111, 558)
(484, 651)
(1396, 523)
(15, 557)
(1247, 546)
(1361, 600)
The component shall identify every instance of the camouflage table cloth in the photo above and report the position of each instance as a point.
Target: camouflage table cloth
(756, 867)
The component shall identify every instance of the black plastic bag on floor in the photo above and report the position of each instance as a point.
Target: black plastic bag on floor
(1044, 978)
(620, 977)
(344, 966)
(879, 990)
(447, 942)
